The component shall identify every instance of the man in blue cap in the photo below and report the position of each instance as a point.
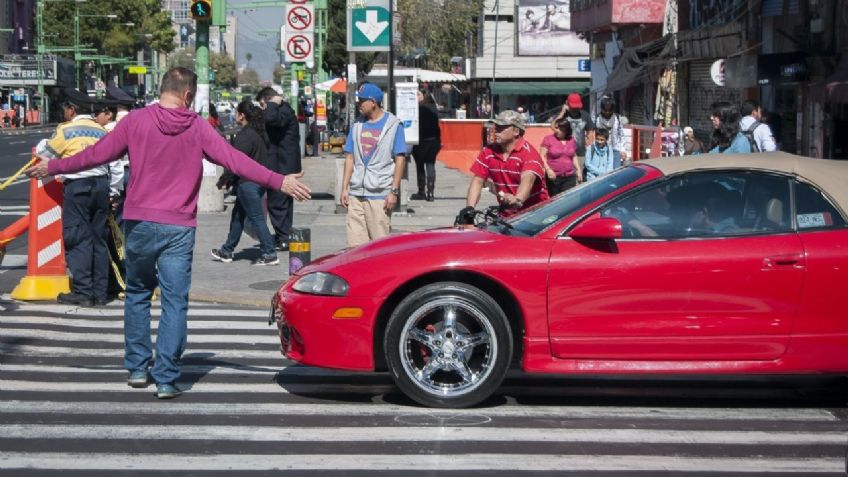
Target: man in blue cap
(375, 154)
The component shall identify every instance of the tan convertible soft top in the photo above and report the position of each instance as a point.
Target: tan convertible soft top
(829, 175)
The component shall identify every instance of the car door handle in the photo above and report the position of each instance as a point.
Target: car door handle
(782, 261)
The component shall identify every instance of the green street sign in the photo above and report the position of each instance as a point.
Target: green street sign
(369, 27)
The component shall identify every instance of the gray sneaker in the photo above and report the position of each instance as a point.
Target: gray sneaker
(138, 379)
(222, 256)
(167, 391)
(266, 261)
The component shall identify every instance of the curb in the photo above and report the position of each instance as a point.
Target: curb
(24, 131)
(207, 297)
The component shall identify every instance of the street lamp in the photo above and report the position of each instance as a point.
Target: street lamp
(77, 45)
(40, 50)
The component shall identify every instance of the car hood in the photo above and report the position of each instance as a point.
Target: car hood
(407, 243)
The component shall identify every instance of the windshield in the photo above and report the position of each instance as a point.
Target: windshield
(542, 217)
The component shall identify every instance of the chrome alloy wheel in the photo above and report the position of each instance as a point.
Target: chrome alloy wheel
(447, 347)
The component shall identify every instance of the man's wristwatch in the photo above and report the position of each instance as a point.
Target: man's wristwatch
(395, 191)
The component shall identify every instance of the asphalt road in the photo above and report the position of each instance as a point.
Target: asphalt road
(65, 410)
(15, 151)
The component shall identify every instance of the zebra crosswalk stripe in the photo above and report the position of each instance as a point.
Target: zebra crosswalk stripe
(401, 433)
(433, 463)
(64, 405)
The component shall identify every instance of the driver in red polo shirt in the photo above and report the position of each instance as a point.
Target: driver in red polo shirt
(512, 164)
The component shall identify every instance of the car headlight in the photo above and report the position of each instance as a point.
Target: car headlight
(321, 283)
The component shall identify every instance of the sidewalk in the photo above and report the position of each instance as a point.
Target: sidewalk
(240, 282)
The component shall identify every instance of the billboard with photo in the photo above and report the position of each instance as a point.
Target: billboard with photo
(543, 28)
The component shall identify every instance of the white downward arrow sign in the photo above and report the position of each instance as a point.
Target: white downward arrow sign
(371, 28)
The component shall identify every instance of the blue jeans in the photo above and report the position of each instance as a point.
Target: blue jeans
(249, 206)
(164, 250)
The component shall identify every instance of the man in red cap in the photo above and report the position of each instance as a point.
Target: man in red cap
(582, 128)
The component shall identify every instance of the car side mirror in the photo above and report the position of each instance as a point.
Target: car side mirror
(603, 228)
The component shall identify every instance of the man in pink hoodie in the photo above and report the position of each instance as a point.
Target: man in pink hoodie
(166, 143)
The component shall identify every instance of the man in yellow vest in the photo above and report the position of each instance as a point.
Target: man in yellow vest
(86, 203)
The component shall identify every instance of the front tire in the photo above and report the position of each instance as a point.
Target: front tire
(448, 345)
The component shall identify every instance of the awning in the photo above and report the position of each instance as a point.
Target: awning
(540, 88)
(336, 85)
(429, 76)
(417, 74)
(721, 41)
(634, 63)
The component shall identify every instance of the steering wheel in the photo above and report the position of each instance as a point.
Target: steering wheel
(624, 216)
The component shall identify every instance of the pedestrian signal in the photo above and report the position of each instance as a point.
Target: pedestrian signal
(201, 10)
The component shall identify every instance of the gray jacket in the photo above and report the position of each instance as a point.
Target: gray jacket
(375, 179)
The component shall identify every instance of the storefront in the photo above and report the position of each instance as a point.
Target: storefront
(830, 96)
(21, 76)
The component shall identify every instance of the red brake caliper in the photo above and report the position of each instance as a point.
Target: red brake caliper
(422, 348)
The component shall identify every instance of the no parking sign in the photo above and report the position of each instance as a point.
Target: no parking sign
(298, 34)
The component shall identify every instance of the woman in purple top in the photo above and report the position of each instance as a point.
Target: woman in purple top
(558, 151)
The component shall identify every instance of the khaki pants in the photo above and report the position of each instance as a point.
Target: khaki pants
(367, 220)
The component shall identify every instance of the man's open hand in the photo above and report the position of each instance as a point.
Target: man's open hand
(390, 202)
(295, 188)
(38, 171)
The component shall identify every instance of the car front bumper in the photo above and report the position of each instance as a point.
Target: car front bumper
(312, 333)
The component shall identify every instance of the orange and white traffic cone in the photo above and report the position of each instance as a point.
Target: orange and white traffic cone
(46, 275)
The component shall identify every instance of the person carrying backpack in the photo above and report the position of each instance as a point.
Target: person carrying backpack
(758, 133)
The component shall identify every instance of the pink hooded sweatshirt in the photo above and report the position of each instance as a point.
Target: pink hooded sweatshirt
(166, 147)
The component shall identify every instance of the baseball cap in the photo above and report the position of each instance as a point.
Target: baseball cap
(509, 118)
(574, 101)
(370, 91)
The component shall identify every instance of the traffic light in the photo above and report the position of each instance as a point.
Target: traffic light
(201, 10)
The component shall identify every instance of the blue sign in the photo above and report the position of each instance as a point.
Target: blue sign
(584, 66)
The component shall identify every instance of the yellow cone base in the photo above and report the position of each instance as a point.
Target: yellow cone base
(36, 288)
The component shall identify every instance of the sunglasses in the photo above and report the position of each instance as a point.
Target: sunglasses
(502, 128)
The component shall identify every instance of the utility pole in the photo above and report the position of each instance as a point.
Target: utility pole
(39, 26)
(391, 68)
(201, 68)
(78, 49)
(204, 12)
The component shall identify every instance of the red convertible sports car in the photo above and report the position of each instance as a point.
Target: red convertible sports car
(714, 264)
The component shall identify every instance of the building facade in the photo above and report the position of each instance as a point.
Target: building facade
(790, 55)
(17, 16)
(528, 56)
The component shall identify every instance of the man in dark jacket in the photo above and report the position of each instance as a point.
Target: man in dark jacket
(284, 157)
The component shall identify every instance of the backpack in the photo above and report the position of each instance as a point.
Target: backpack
(749, 133)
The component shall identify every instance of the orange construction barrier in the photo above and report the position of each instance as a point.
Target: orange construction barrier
(32, 117)
(462, 140)
(46, 275)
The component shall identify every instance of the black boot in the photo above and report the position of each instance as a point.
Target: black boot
(431, 185)
(420, 194)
